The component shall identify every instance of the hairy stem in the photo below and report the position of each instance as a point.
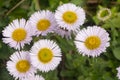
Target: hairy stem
(14, 7)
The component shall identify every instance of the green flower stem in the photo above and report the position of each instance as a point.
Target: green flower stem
(14, 7)
(37, 5)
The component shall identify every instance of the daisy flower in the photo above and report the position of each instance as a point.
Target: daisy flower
(18, 33)
(19, 65)
(118, 72)
(34, 77)
(43, 22)
(69, 16)
(63, 33)
(92, 41)
(45, 55)
(104, 14)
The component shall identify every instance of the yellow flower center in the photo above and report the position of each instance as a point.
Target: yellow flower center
(23, 66)
(43, 25)
(45, 55)
(92, 42)
(19, 34)
(69, 17)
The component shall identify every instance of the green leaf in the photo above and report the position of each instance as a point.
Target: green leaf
(51, 75)
(5, 51)
(115, 22)
(79, 2)
(118, 0)
(65, 1)
(67, 73)
(80, 78)
(116, 52)
(65, 45)
(53, 4)
(96, 20)
(4, 74)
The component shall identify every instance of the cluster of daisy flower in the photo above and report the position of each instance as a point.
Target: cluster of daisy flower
(45, 55)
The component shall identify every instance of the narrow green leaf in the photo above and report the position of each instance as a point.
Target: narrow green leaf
(116, 52)
(4, 74)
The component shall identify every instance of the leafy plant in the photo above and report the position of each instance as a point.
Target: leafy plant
(73, 66)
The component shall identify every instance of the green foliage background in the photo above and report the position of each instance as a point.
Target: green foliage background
(73, 66)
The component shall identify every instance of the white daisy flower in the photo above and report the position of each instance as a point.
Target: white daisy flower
(34, 77)
(92, 41)
(104, 14)
(43, 22)
(19, 65)
(63, 33)
(18, 33)
(45, 55)
(69, 16)
(118, 73)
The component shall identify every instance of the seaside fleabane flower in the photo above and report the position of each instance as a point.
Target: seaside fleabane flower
(34, 77)
(18, 33)
(45, 55)
(63, 33)
(92, 41)
(43, 22)
(69, 16)
(104, 14)
(19, 65)
(118, 72)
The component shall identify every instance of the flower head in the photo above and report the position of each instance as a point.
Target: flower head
(19, 65)
(69, 16)
(34, 77)
(92, 41)
(43, 22)
(118, 72)
(45, 55)
(18, 33)
(104, 14)
(63, 33)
